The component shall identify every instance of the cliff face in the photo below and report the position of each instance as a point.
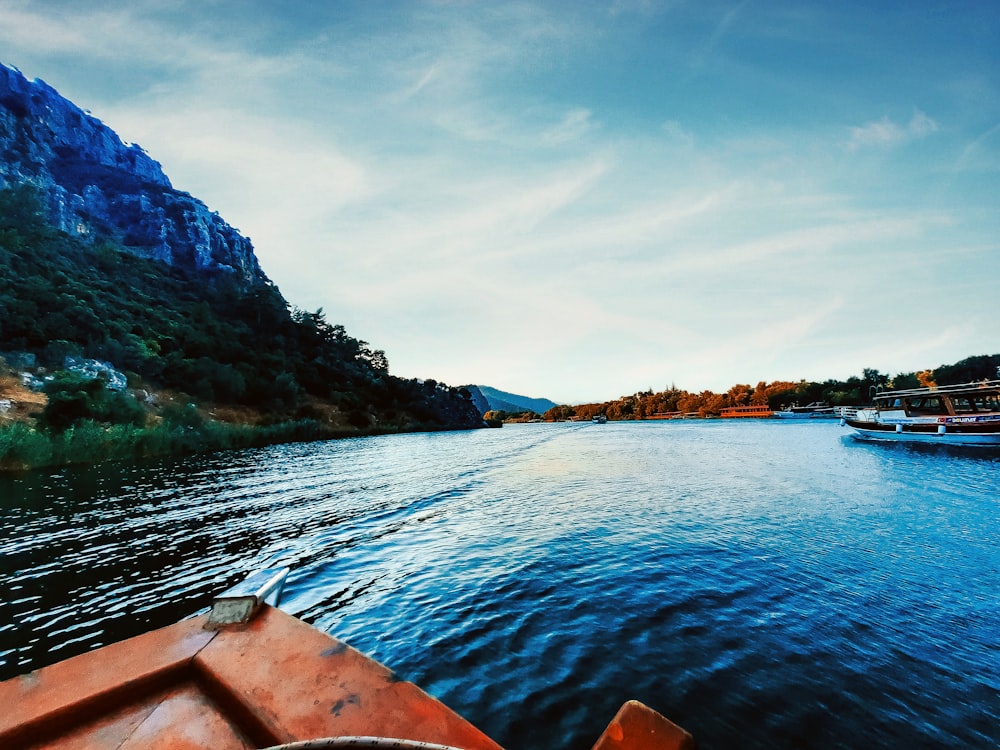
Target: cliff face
(97, 186)
(478, 399)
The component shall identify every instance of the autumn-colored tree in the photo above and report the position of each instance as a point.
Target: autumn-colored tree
(587, 411)
(783, 393)
(559, 413)
(623, 408)
(688, 402)
(853, 391)
(739, 395)
(712, 403)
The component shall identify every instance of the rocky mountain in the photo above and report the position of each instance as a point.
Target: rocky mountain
(478, 399)
(129, 303)
(510, 402)
(97, 187)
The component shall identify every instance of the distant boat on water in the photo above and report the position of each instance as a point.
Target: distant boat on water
(815, 410)
(753, 410)
(599, 419)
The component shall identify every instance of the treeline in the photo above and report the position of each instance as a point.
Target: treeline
(853, 391)
(208, 336)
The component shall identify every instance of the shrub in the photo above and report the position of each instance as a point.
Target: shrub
(21, 447)
(73, 399)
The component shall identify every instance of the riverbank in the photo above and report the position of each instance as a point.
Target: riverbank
(64, 418)
(23, 447)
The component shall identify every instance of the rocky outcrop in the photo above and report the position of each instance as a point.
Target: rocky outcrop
(95, 186)
(114, 380)
(454, 407)
(478, 399)
(511, 402)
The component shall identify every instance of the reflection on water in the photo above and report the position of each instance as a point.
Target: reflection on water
(762, 584)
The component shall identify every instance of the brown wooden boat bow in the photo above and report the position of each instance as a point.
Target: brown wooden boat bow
(248, 675)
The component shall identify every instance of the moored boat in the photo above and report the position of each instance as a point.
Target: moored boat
(248, 675)
(751, 411)
(967, 414)
(815, 410)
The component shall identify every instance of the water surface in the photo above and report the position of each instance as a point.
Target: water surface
(762, 584)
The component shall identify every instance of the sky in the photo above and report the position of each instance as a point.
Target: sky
(578, 200)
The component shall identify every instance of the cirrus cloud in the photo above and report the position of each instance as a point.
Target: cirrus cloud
(885, 133)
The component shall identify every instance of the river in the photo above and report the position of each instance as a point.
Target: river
(764, 584)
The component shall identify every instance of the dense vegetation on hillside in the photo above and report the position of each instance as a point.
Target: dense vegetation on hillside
(205, 335)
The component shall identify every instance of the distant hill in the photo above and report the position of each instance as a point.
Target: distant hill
(502, 401)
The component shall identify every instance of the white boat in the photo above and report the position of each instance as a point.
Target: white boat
(815, 410)
(967, 414)
(599, 419)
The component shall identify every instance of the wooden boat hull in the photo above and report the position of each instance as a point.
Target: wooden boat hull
(272, 681)
(262, 683)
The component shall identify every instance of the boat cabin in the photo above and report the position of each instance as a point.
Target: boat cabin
(753, 410)
(943, 401)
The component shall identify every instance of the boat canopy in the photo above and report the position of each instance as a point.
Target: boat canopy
(947, 390)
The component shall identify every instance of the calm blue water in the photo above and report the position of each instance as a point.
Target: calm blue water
(763, 584)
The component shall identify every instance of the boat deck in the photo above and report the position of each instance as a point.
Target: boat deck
(270, 681)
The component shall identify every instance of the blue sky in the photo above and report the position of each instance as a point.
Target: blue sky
(578, 200)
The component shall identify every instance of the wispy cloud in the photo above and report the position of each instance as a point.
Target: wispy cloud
(121, 35)
(676, 132)
(975, 154)
(538, 195)
(719, 31)
(885, 133)
(575, 124)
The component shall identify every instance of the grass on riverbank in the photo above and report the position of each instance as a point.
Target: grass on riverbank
(73, 420)
(23, 447)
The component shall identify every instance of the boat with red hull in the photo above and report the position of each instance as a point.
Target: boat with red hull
(752, 411)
